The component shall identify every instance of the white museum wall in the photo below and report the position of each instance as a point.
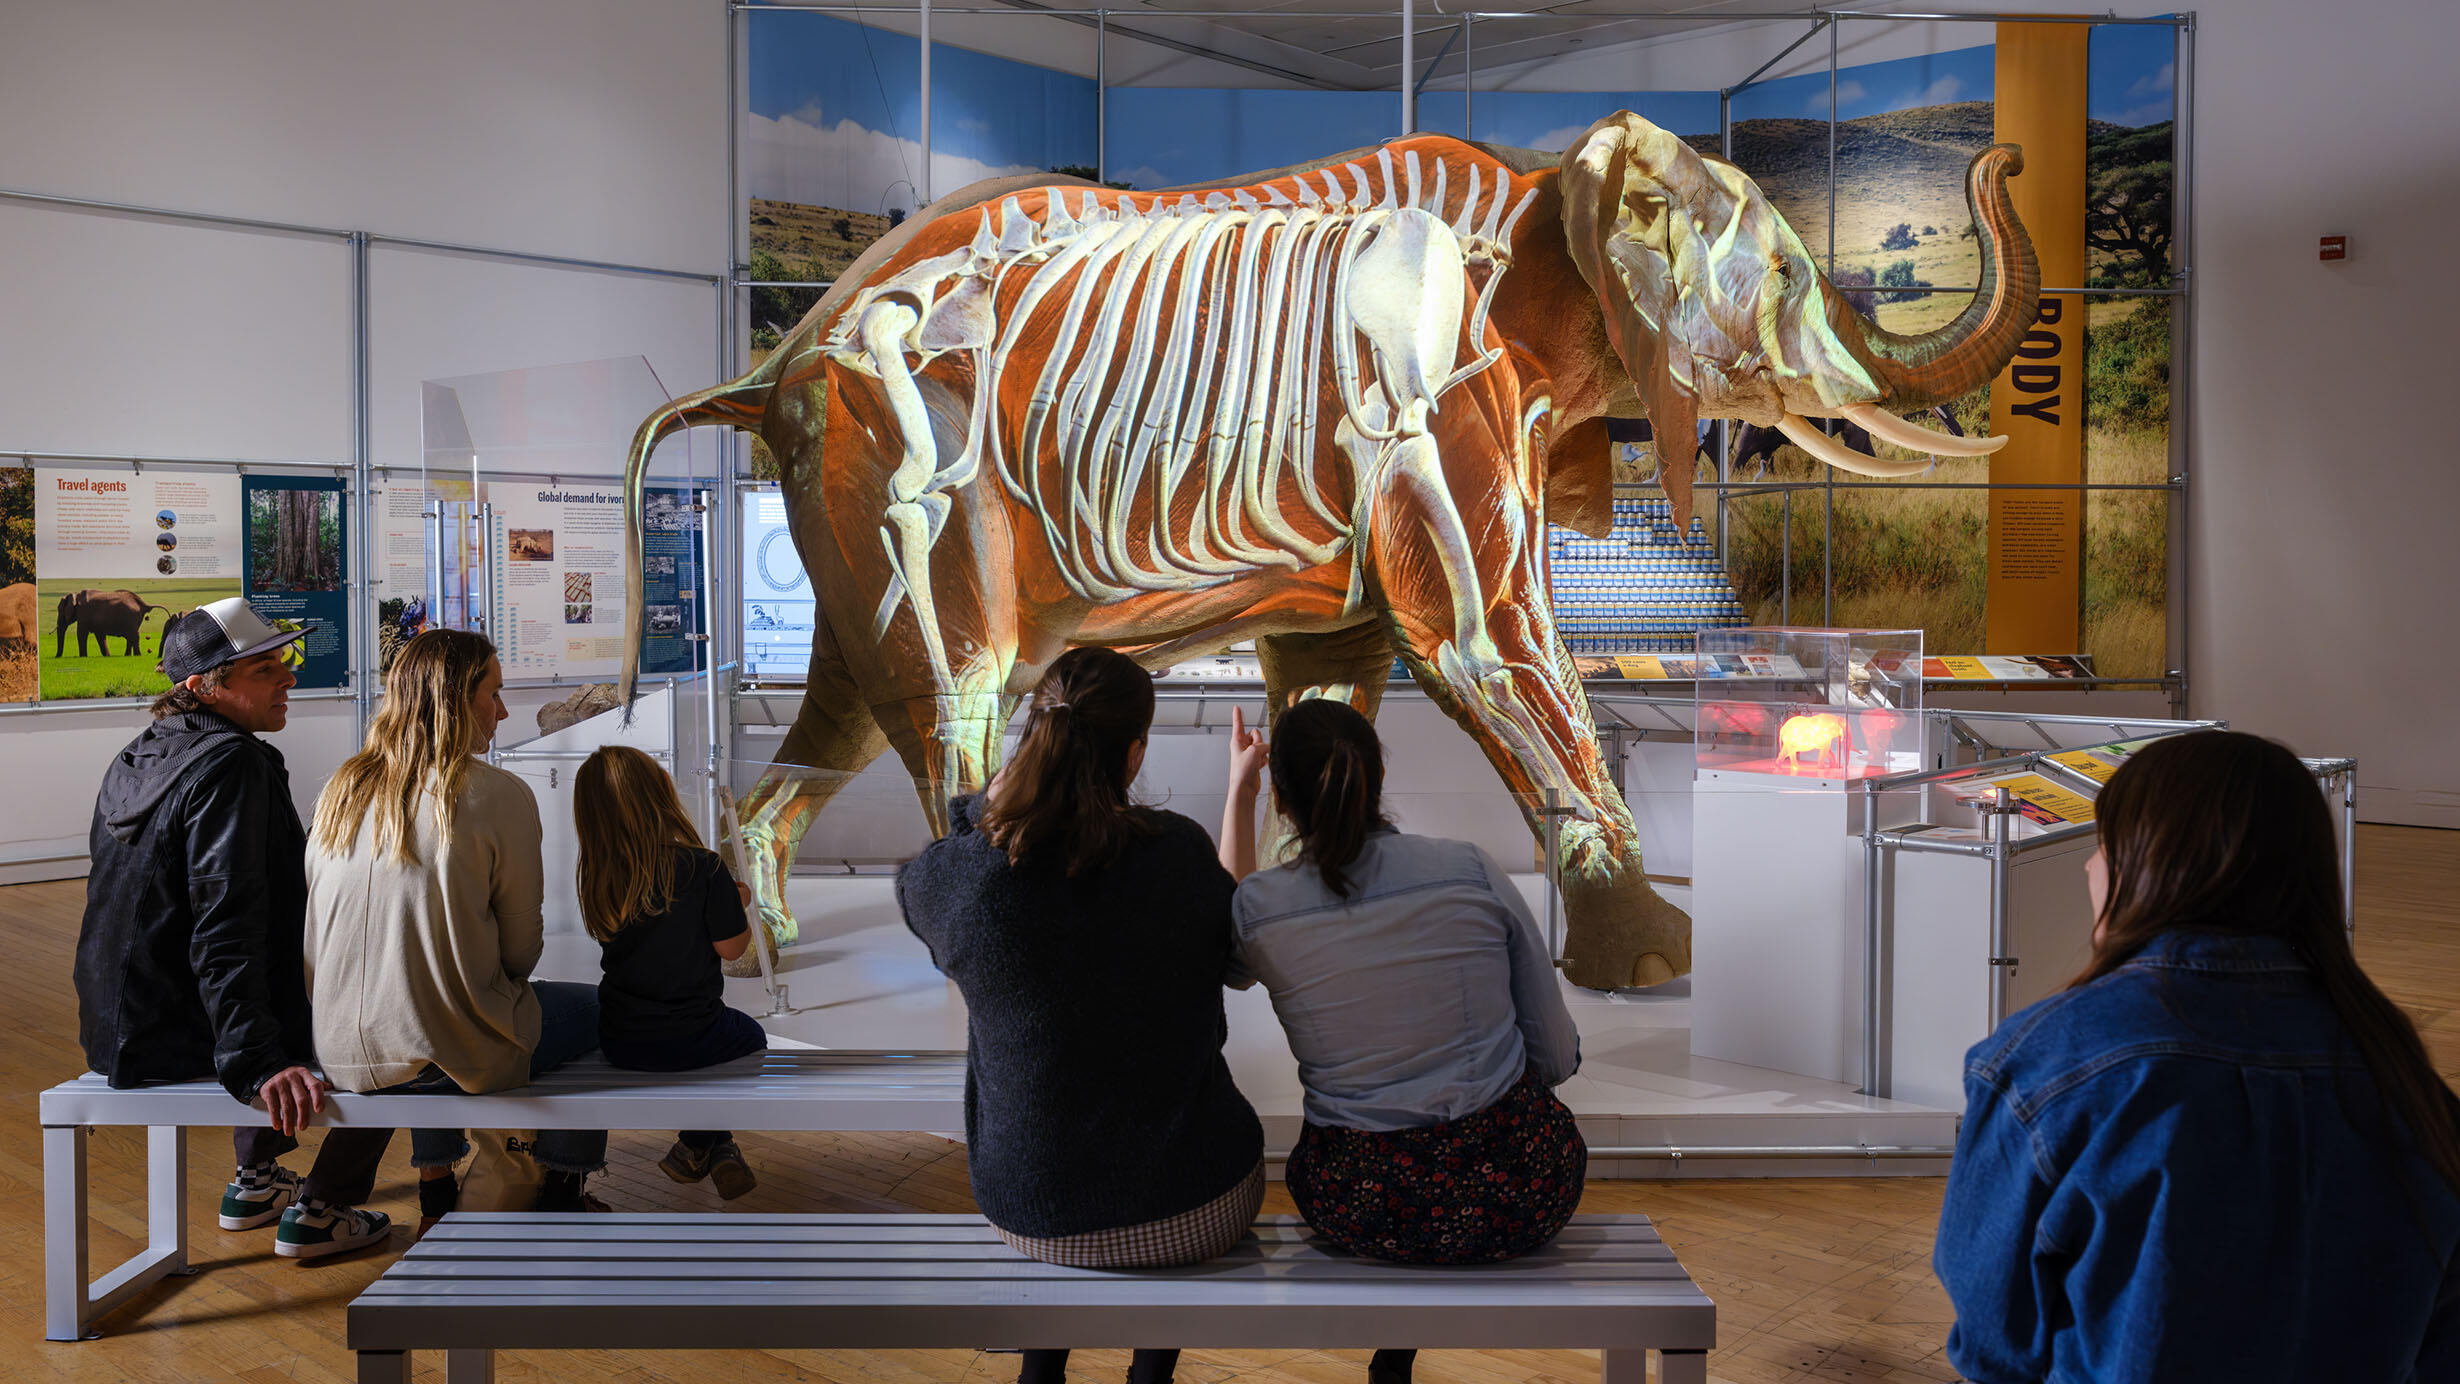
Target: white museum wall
(581, 128)
(2320, 592)
(588, 128)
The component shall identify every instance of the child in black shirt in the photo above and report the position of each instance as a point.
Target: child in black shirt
(666, 913)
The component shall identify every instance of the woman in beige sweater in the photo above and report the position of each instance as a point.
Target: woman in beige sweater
(424, 917)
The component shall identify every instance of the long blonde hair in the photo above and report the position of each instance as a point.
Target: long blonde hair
(628, 819)
(420, 743)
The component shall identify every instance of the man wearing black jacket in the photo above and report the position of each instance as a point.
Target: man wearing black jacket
(190, 962)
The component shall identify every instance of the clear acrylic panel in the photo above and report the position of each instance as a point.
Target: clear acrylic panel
(1823, 703)
(523, 537)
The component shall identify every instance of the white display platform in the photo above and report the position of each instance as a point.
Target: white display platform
(1939, 966)
(1777, 963)
(858, 979)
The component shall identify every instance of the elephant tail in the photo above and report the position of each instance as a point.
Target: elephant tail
(741, 403)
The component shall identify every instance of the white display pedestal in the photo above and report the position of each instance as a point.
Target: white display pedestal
(1777, 941)
(1939, 971)
(548, 762)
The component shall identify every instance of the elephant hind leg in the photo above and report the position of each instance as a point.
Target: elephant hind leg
(833, 739)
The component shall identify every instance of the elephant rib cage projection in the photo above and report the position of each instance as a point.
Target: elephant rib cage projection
(1330, 409)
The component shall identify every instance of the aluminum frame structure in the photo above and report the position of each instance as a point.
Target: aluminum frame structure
(2174, 680)
(2002, 848)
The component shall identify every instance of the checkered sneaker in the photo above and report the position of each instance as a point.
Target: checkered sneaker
(258, 1195)
(1191, 1237)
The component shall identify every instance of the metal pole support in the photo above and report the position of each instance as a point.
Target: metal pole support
(2002, 867)
(2348, 852)
(1874, 1078)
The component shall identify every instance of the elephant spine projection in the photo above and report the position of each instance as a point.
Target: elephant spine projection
(1330, 409)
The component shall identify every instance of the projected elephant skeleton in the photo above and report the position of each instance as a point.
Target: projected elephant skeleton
(1331, 410)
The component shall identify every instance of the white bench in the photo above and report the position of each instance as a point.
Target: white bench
(478, 1284)
(806, 1091)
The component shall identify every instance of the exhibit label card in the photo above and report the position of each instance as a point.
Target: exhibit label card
(670, 582)
(295, 572)
(558, 588)
(778, 610)
(119, 553)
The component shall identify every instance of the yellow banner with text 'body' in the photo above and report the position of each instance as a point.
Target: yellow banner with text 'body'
(2036, 576)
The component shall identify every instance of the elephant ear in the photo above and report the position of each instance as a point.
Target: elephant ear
(1627, 225)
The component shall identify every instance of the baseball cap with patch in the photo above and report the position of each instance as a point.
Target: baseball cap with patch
(217, 633)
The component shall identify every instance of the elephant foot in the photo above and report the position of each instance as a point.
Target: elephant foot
(1621, 933)
(764, 936)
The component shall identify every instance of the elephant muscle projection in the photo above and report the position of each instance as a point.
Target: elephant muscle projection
(1330, 409)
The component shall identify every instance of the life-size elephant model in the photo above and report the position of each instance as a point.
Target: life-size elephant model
(1330, 409)
(103, 615)
(17, 624)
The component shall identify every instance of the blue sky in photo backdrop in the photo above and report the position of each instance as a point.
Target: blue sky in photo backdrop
(836, 111)
(2129, 73)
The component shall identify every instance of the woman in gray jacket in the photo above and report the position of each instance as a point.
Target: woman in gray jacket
(1419, 1001)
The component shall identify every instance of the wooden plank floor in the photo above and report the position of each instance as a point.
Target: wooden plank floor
(1814, 1279)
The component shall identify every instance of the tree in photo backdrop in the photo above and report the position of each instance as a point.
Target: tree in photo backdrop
(296, 540)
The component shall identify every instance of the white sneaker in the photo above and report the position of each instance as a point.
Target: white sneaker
(313, 1234)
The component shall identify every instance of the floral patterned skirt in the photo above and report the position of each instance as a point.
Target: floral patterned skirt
(1484, 1187)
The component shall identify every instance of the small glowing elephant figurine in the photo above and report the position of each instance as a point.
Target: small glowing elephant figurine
(1821, 736)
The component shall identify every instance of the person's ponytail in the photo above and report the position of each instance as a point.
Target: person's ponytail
(1064, 793)
(1328, 772)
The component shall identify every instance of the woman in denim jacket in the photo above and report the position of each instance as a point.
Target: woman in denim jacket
(1418, 998)
(2222, 1153)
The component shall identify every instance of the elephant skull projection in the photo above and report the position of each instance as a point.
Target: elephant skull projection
(1330, 409)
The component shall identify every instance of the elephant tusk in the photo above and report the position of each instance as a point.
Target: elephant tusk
(1913, 437)
(1822, 447)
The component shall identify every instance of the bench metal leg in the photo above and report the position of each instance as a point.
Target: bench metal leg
(166, 1194)
(469, 1367)
(384, 1367)
(69, 1301)
(1682, 1367)
(64, 1261)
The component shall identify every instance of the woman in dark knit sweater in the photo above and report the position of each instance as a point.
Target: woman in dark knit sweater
(1089, 938)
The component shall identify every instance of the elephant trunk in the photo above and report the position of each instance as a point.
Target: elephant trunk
(1935, 367)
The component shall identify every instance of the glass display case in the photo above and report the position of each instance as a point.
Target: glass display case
(1834, 704)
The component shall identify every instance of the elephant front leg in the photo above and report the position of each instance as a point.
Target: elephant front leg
(1474, 626)
(1349, 665)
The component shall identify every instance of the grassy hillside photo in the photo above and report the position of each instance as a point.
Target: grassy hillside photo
(1918, 558)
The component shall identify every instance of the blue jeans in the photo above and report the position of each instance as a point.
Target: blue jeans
(567, 1028)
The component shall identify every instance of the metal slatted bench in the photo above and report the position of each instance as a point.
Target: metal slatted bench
(801, 1091)
(478, 1284)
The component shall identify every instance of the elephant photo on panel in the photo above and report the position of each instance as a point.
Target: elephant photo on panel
(1331, 409)
(103, 615)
